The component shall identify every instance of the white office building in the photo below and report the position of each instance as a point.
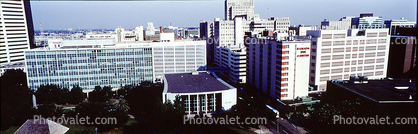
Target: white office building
(150, 29)
(202, 92)
(14, 31)
(342, 24)
(114, 65)
(279, 65)
(339, 54)
(235, 8)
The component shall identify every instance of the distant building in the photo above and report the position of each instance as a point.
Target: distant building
(235, 8)
(342, 24)
(201, 92)
(278, 66)
(393, 25)
(395, 98)
(339, 54)
(16, 31)
(229, 34)
(206, 33)
(366, 20)
(129, 36)
(150, 29)
(120, 35)
(114, 65)
(301, 29)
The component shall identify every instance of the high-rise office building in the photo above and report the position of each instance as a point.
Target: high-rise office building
(339, 54)
(228, 35)
(279, 66)
(16, 31)
(235, 8)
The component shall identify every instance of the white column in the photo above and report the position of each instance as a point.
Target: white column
(188, 96)
(206, 103)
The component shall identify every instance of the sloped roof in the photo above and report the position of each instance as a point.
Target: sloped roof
(41, 126)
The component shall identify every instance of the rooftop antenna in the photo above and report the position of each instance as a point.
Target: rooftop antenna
(41, 29)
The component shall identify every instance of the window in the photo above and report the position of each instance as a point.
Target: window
(313, 57)
(312, 78)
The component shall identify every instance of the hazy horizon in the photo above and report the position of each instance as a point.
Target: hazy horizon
(56, 15)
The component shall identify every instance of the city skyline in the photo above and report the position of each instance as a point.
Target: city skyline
(56, 15)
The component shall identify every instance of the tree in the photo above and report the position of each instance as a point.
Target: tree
(76, 95)
(142, 99)
(100, 94)
(101, 110)
(16, 99)
(122, 105)
(47, 94)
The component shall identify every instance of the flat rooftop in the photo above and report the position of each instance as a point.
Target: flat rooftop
(384, 91)
(188, 83)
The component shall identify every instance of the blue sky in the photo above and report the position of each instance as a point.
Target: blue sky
(129, 14)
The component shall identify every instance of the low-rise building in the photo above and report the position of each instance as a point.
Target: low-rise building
(382, 97)
(202, 92)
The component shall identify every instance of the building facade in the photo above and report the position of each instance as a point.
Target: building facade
(339, 54)
(89, 67)
(116, 65)
(402, 56)
(278, 67)
(367, 20)
(235, 8)
(16, 31)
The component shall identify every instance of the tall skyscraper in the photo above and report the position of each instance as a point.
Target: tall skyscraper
(16, 30)
(278, 66)
(239, 7)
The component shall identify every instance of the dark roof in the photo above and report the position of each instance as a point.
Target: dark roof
(383, 90)
(188, 83)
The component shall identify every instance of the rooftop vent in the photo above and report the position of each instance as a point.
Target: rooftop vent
(358, 79)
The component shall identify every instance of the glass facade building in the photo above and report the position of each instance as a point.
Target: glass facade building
(112, 65)
(88, 68)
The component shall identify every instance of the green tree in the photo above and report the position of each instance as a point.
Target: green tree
(47, 94)
(76, 95)
(100, 94)
(102, 110)
(122, 105)
(16, 99)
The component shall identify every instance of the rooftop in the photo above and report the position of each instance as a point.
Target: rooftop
(383, 91)
(189, 83)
